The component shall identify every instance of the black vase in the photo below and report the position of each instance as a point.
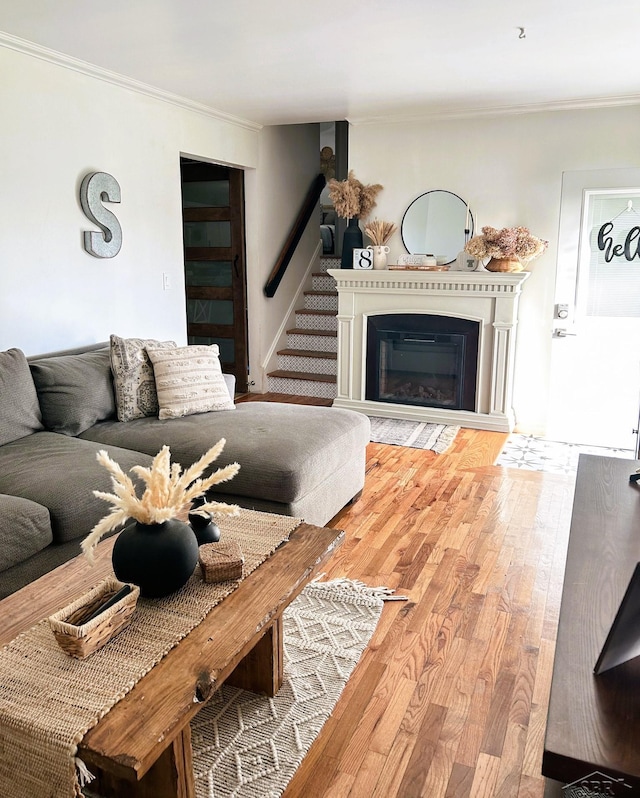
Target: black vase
(159, 558)
(352, 239)
(204, 529)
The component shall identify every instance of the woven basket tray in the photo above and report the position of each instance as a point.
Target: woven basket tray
(79, 639)
(221, 561)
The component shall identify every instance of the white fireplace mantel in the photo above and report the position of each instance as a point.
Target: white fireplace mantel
(490, 298)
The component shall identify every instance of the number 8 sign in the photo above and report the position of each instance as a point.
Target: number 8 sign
(362, 259)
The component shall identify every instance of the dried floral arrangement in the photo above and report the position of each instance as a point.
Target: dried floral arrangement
(380, 232)
(510, 242)
(352, 198)
(169, 491)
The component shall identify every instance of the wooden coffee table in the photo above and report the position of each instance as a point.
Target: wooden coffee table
(142, 747)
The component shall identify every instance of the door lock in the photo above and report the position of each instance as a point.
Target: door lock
(562, 311)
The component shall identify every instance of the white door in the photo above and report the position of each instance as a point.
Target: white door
(595, 362)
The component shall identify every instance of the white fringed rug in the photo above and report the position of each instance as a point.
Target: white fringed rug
(414, 434)
(249, 746)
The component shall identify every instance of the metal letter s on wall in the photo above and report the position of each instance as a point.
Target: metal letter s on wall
(96, 188)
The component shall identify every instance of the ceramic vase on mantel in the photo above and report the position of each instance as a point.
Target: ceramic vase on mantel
(159, 558)
(351, 239)
(379, 256)
(504, 265)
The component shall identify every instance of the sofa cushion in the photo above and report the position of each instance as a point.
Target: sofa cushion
(189, 380)
(19, 409)
(74, 391)
(133, 380)
(61, 473)
(25, 530)
(285, 450)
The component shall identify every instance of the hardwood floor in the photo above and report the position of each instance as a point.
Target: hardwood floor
(449, 699)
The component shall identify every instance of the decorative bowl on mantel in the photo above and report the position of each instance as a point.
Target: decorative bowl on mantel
(508, 249)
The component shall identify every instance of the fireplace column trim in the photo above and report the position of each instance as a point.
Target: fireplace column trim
(503, 359)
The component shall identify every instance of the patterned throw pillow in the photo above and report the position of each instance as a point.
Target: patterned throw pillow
(133, 378)
(189, 380)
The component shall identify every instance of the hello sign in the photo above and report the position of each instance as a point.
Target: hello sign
(630, 249)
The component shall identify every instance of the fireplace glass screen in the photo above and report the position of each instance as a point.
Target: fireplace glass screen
(416, 359)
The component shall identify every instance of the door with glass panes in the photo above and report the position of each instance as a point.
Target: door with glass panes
(594, 386)
(214, 262)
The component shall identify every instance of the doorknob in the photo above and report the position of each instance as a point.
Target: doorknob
(560, 332)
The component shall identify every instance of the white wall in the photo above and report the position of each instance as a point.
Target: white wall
(58, 125)
(289, 160)
(509, 169)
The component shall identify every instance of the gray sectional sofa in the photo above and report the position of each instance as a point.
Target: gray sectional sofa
(58, 411)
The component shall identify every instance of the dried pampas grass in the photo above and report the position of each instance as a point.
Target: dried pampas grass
(168, 492)
(352, 198)
(380, 232)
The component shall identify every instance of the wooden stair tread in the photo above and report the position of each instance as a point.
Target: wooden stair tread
(320, 293)
(304, 331)
(317, 312)
(302, 375)
(308, 353)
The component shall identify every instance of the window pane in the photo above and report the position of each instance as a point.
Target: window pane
(208, 273)
(613, 286)
(209, 311)
(226, 345)
(207, 234)
(206, 194)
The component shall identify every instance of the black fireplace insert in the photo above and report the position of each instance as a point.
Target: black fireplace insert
(422, 359)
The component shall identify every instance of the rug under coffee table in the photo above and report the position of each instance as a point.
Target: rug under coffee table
(142, 747)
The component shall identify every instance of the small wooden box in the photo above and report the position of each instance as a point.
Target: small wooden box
(221, 561)
(79, 639)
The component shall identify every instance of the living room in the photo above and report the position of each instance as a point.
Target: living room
(508, 167)
(64, 118)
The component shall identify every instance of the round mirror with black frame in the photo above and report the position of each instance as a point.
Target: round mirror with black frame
(437, 223)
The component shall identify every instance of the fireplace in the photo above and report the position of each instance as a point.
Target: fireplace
(422, 360)
(471, 375)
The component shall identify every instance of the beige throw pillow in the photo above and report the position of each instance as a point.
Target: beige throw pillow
(189, 380)
(133, 380)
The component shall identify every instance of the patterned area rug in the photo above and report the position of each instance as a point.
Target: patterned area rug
(414, 434)
(247, 745)
(539, 454)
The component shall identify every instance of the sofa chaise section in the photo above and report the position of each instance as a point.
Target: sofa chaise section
(298, 460)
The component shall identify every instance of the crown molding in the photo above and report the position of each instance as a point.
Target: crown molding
(84, 68)
(506, 110)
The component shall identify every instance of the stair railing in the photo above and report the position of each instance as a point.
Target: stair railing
(293, 239)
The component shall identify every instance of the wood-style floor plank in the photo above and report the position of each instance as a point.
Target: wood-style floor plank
(449, 699)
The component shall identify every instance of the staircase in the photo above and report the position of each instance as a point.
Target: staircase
(308, 365)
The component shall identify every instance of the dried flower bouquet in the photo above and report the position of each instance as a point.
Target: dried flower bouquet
(352, 198)
(509, 243)
(169, 492)
(380, 232)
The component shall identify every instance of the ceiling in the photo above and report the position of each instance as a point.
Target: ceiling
(291, 61)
